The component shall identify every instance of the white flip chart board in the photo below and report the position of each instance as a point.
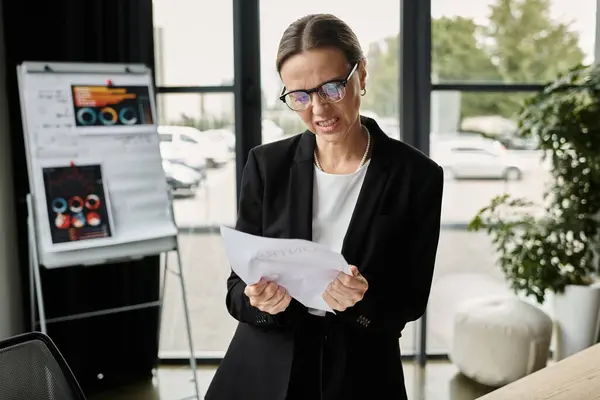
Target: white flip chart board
(96, 178)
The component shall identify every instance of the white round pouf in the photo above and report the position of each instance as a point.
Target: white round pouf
(497, 340)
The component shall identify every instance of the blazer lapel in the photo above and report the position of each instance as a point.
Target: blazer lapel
(369, 197)
(301, 188)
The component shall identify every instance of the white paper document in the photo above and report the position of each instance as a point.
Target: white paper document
(302, 267)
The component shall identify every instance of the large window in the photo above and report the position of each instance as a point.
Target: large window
(194, 42)
(194, 71)
(197, 144)
(486, 58)
(483, 55)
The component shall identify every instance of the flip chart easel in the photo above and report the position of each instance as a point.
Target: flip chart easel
(98, 191)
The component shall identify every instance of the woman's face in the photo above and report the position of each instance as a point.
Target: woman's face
(330, 120)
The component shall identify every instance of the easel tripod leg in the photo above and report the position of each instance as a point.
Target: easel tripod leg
(34, 270)
(40, 299)
(161, 301)
(188, 324)
(32, 297)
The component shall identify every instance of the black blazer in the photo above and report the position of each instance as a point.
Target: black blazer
(392, 239)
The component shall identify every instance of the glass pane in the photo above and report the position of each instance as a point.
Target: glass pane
(474, 141)
(515, 41)
(200, 163)
(193, 42)
(376, 40)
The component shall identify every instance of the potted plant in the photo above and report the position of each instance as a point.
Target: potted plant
(553, 247)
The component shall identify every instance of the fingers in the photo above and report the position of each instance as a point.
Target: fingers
(278, 303)
(339, 291)
(353, 290)
(272, 293)
(270, 297)
(354, 281)
(340, 297)
(256, 289)
(281, 305)
(332, 302)
(336, 303)
(266, 295)
(346, 290)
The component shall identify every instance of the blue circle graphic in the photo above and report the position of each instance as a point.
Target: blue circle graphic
(82, 113)
(123, 118)
(59, 205)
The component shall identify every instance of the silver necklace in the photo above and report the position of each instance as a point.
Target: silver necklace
(364, 157)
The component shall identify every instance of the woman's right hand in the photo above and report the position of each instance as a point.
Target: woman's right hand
(268, 297)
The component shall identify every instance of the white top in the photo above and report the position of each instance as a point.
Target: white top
(334, 199)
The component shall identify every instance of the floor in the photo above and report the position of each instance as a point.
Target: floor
(439, 381)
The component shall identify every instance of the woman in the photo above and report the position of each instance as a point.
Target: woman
(346, 184)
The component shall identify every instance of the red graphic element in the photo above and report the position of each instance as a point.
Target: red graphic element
(62, 221)
(76, 203)
(93, 219)
(92, 202)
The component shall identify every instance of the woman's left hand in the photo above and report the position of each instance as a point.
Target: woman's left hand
(346, 290)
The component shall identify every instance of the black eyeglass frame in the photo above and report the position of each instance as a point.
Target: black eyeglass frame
(317, 89)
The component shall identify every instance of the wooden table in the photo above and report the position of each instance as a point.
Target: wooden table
(574, 378)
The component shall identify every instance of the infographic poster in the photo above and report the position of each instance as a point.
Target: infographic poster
(77, 202)
(111, 105)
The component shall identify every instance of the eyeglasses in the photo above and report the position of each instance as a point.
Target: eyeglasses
(331, 92)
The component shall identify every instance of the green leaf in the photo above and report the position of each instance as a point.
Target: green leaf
(548, 252)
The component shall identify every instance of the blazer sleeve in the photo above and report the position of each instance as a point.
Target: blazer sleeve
(249, 220)
(388, 305)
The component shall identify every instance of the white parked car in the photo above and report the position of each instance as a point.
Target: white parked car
(222, 135)
(475, 158)
(182, 155)
(186, 138)
(181, 178)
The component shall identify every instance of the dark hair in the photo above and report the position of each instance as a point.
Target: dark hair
(318, 31)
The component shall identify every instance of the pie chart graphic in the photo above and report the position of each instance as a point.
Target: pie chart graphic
(62, 221)
(78, 220)
(76, 204)
(108, 116)
(59, 205)
(86, 116)
(93, 219)
(127, 116)
(92, 202)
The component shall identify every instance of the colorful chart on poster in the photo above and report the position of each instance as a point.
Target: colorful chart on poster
(77, 203)
(111, 105)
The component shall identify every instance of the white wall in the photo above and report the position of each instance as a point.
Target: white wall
(10, 293)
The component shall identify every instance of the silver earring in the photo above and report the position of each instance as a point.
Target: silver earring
(363, 92)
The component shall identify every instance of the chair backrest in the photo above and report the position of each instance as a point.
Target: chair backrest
(32, 368)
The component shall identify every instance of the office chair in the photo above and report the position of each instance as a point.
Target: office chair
(32, 368)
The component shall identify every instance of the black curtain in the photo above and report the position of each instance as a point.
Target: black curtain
(105, 350)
